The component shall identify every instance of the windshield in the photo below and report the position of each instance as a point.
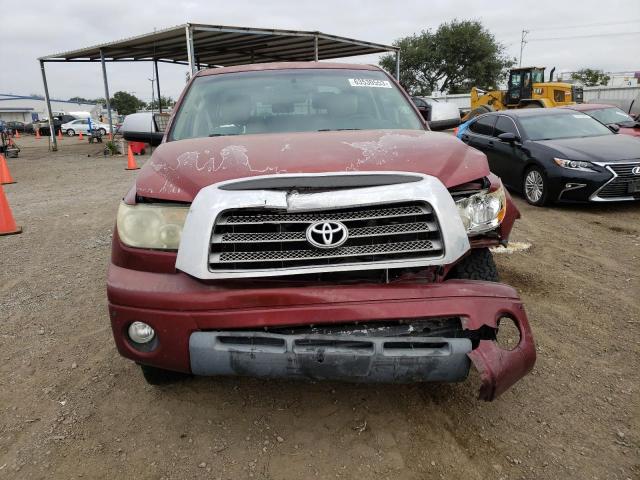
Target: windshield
(276, 101)
(570, 125)
(612, 115)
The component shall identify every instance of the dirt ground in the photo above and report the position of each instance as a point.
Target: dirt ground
(71, 407)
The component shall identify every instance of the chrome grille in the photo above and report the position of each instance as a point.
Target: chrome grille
(258, 239)
(619, 186)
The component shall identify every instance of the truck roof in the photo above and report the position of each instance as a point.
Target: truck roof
(287, 66)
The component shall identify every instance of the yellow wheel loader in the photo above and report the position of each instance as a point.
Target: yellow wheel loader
(526, 89)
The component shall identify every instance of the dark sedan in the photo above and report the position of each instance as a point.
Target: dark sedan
(554, 155)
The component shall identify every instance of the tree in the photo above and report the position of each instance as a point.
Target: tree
(126, 103)
(164, 101)
(590, 77)
(457, 56)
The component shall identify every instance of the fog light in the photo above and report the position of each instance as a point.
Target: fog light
(140, 332)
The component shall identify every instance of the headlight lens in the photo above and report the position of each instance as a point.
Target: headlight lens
(151, 226)
(482, 212)
(575, 165)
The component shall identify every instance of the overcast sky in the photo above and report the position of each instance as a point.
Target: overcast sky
(36, 28)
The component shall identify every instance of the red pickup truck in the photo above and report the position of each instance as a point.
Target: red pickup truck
(300, 220)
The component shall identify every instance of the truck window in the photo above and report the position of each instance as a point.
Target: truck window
(304, 100)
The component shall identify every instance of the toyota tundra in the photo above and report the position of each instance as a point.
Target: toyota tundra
(300, 220)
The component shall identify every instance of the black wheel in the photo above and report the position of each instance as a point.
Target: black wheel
(478, 265)
(158, 376)
(481, 110)
(71, 132)
(103, 132)
(534, 187)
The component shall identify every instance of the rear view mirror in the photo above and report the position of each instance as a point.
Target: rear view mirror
(508, 137)
(614, 128)
(145, 127)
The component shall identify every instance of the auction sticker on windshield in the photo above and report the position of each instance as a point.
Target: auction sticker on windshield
(369, 82)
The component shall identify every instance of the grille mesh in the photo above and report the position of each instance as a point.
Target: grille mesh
(258, 239)
(619, 186)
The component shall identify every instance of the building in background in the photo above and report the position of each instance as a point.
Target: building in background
(27, 109)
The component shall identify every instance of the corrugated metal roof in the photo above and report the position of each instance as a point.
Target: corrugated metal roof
(217, 45)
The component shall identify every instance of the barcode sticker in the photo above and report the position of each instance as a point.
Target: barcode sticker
(369, 82)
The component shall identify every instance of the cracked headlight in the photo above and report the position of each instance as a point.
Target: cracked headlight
(482, 212)
(151, 226)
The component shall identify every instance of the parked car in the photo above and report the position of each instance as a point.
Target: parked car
(58, 121)
(557, 155)
(13, 126)
(439, 115)
(83, 125)
(610, 115)
(299, 220)
(630, 106)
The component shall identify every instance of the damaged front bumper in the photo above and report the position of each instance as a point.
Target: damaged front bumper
(209, 328)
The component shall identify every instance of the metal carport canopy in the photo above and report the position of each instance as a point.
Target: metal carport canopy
(203, 46)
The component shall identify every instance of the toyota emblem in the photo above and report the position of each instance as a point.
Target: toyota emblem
(327, 234)
(636, 170)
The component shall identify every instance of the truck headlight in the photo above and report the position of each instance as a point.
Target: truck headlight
(576, 165)
(151, 226)
(482, 212)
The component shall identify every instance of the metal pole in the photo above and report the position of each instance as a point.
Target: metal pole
(522, 44)
(106, 92)
(190, 56)
(52, 133)
(155, 64)
(315, 47)
(398, 65)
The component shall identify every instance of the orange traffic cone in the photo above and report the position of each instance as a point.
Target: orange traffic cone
(80, 136)
(38, 133)
(59, 134)
(110, 136)
(7, 223)
(17, 134)
(5, 175)
(131, 161)
(455, 131)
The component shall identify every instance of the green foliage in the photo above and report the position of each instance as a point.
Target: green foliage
(590, 77)
(165, 101)
(126, 103)
(112, 148)
(457, 56)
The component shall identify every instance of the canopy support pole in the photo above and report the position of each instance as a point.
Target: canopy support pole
(52, 133)
(315, 47)
(398, 65)
(190, 53)
(155, 65)
(106, 92)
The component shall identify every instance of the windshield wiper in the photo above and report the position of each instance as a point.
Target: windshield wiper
(222, 134)
(337, 129)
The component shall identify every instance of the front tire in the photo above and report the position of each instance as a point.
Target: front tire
(103, 132)
(478, 265)
(70, 133)
(158, 376)
(534, 187)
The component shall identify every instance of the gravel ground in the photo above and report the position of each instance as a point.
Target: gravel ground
(70, 407)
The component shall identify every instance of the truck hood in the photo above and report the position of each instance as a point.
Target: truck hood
(178, 170)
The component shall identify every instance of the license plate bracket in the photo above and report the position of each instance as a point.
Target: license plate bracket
(634, 187)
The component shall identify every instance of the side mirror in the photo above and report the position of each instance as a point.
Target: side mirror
(614, 128)
(144, 127)
(508, 137)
